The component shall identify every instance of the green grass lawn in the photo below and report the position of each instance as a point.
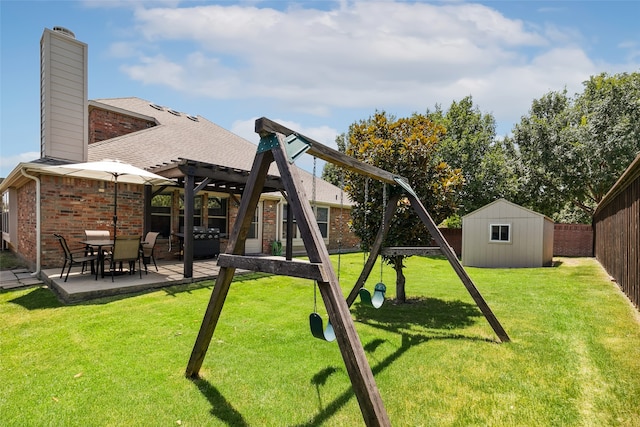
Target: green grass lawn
(574, 359)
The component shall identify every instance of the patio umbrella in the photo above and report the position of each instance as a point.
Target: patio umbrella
(110, 170)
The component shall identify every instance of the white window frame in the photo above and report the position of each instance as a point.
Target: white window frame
(499, 240)
(296, 232)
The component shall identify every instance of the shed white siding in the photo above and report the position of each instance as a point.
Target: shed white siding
(64, 100)
(530, 242)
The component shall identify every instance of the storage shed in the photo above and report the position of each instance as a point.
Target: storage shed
(503, 234)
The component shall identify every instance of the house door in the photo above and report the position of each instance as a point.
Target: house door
(253, 244)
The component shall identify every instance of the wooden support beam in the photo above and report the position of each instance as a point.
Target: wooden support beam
(411, 250)
(353, 355)
(280, 266)
(235, 246)
(264, 126)
(189, 209)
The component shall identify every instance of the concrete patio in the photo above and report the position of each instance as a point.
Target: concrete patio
(82, 287)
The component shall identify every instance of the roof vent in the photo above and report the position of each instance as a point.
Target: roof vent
(157, 107)
(194, 118)
(64, 31)
(174, 112)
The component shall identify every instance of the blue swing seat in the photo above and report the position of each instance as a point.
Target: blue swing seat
(318, 330)
(378, 295)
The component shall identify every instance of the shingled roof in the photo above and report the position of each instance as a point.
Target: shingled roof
(179, 135)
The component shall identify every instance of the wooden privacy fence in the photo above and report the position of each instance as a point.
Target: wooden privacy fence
(617, 232)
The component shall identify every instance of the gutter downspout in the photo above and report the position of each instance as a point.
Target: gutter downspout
(38, 235)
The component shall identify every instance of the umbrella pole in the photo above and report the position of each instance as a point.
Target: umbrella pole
(115, 206)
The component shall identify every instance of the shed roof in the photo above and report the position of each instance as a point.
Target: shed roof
(501, 200)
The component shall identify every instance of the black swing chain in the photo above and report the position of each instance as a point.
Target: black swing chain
(384, 206)
(313, 202)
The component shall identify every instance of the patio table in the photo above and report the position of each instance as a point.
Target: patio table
(99, 245)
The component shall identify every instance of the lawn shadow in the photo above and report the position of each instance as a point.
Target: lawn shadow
(40, 298)
(220, 407)
(430, 313)
(437, 316)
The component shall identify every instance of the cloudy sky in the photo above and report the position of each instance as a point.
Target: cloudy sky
(315, 66)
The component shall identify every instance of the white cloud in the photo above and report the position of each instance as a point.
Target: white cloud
(10, 162)
(386, 55)
(322, 134)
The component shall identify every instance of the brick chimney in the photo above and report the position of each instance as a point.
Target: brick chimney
(64, 99)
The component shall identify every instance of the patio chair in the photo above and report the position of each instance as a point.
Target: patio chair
(125, 249)
(147, 249)
(95, 235)
(74, 258)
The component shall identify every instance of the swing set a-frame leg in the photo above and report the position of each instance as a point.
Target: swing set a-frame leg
(235, 246)
(459, 269)
(356, 363)
(353, 355)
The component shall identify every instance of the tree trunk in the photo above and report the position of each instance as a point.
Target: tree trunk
(400, 280)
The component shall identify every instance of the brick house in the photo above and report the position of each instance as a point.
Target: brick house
(74, 129)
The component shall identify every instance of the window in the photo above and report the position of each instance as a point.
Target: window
(161, 214)
(5, 212)
(322, 218)
(217, 213)
(253, 230)
(500, 233)
(197, 211)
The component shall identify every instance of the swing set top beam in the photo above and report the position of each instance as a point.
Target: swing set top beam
(265, 127)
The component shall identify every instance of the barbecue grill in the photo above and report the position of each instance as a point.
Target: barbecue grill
(206, 241)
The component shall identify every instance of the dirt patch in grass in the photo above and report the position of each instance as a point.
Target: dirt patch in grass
(9, 261)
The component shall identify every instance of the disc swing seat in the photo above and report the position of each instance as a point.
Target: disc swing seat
(377, 299)
(318, 330)
(378, 295)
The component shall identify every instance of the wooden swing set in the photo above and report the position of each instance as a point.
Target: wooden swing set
(284, 146)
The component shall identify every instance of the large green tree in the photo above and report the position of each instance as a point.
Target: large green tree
(407, 147)
(571, 151)
(470, 144)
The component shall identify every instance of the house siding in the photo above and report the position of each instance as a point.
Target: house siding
(64, 98)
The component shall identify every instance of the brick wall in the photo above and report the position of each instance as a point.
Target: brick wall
(105, 124)
(568, 240)
(269, 217)
(573, 240)
(339, 229)
(26, 240)
(71, 205)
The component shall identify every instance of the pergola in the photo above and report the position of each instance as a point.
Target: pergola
(195, 176)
